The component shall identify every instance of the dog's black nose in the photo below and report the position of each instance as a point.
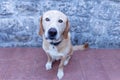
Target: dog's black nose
(52, 33)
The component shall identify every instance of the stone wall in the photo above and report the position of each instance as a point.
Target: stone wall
(94, 21)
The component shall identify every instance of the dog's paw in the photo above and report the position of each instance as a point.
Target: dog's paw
(48, 65)
(60, 74)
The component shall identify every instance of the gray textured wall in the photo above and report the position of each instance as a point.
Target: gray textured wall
(94, 21)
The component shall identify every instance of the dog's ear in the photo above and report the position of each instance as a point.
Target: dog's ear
(41, 31)
(65, 33)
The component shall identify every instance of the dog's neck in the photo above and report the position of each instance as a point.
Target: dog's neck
(55, 43)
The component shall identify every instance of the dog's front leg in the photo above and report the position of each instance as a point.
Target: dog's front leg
(49, 62)
(60, 73)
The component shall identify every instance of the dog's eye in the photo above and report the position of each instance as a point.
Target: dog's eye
(60, 20)
(47, 19)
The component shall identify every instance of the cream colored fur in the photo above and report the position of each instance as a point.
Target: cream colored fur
(64, 50)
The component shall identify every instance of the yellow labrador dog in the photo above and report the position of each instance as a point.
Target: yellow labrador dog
(54, 29)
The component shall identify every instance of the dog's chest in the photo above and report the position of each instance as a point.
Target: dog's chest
(53, 51)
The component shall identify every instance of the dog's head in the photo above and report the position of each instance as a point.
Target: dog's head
(54, 26)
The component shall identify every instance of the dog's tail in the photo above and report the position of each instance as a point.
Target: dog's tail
(81, 47)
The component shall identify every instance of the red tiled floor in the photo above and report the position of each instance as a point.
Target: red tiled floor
(29, 64)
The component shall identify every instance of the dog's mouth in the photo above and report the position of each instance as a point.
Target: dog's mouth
(52, 38)
(54, 41)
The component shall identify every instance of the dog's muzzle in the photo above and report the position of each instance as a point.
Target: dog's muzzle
(52, 32)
